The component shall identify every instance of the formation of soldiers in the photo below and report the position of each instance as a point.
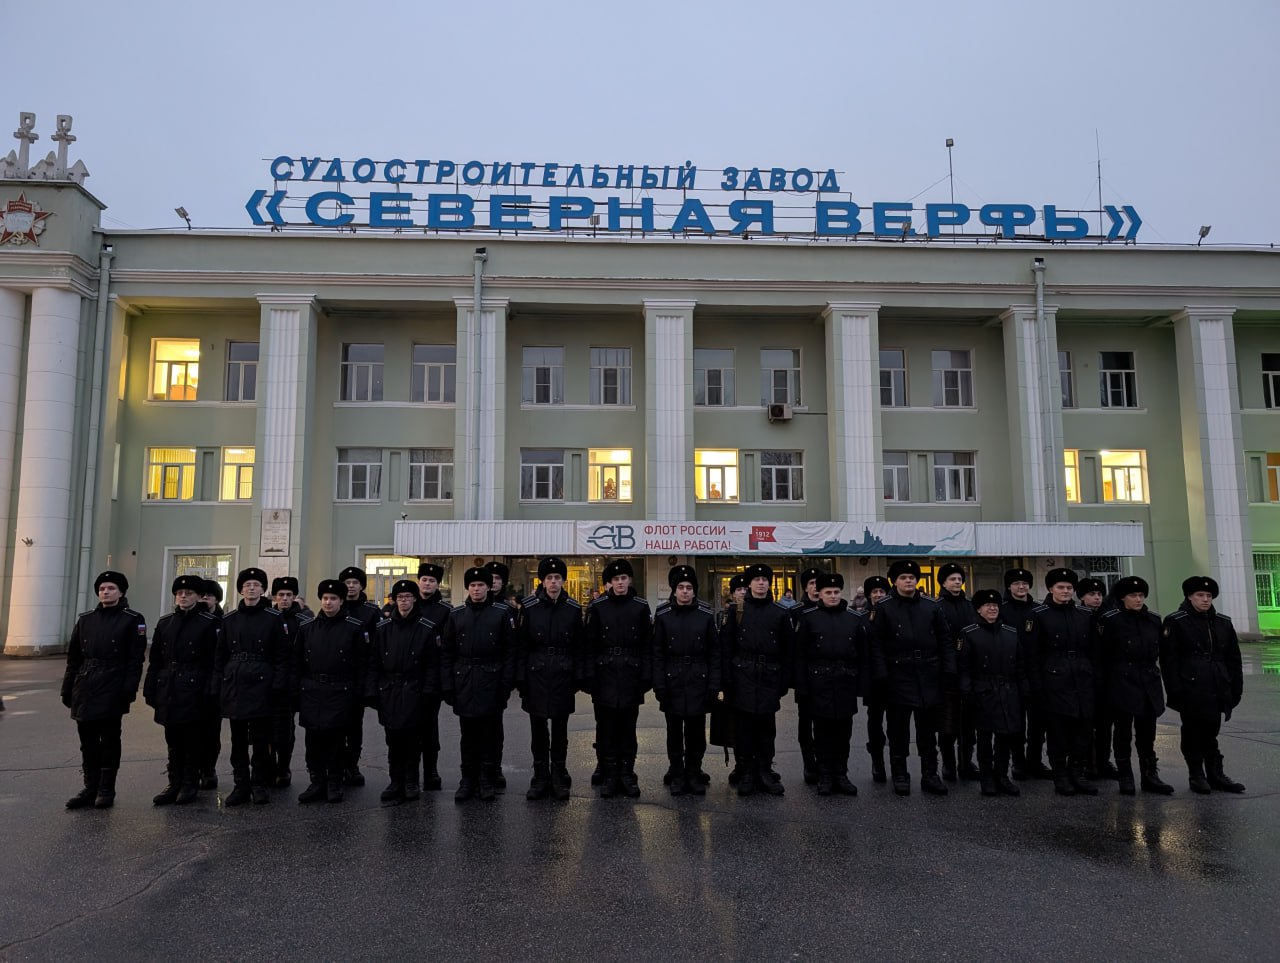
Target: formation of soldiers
(996, 675)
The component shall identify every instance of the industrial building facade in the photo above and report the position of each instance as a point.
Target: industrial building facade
(306, 399)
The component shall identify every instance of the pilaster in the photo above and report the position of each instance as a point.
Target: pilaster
(1033, 390)
(480, 431)
(668, 409)
(853, 410)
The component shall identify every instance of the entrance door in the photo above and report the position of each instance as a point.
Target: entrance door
(214, 564)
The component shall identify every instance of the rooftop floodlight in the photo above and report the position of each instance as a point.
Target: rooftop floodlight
(1204, 232)
(182, 213)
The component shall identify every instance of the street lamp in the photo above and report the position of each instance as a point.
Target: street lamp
(182, 213)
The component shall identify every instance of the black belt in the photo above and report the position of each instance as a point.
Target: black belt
(247, 657)
(687, 659)
(400, 676)
(489, 662)
(760, 659)
(618, 650)
(552, 650)
(322, 677)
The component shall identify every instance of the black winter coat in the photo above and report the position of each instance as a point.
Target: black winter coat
(686, 658)
(1015, 612)
(403, 674)
(180, 675)
(913, 656)
(1200, 660)
(958, 611)
(830, 660)
(329, 679)
(759, 649)
(104, 662)
(250, 664)
(1062, 659)
(551, 659)
(993, 675)
(1129, 647)
(292, 617)
(363, 611)
(620, 649)
(478, 660)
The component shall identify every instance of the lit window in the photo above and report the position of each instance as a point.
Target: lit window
(1124, 476)
(1071, 480)
(897, 479)
(237, 474)
(430, 474)
(362, 372)
(781, 476)
(434, 373)
(242, 371)
(1273, 476)
(779, 376)
(893, 378)
(359, 474)
(171, 474)
(543, 376)
(715, 475)
(713, 377)
(1066, 379)
(1271, 380)
(1118, 379)
(611, 376)
(609, 474)
(952, 379)
(175, 369)
(955, 476)
(542, 474)
(1266, 579)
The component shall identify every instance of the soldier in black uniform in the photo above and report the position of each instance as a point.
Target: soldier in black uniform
(434, 609)
(1062, 661)
(478, 662)
(1200, 661)
(550, 665)
(913, 654)
(402, 678)
(104, 667)
(829, 662)
(179, 679)
(1015, 609)
(211, 729)
(957, 722)
(619, 635)
(758, 651)
(875, 589)
(329, 684)
(356, 605)
(1093, 595)
(805, 724)
(284, 597)
(686, 677)
(993, 681)
(251, 676)
(1130, 651)
(499, 592)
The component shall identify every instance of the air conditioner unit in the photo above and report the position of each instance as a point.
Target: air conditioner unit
(779, 413)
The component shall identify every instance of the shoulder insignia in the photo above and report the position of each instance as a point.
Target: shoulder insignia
(531, 600)
(129, 611)
(427, 622)
(664, 607)
(208, 615)
(1225, 618)
(83, 614)
(1178, 614)
(642, 601)
(501, 605)
(928, 598)
(1040, 608)
(458, 608)
(1110, 612)
(785, 608)
(383, 621)
(573, 602)
(706, 607)
(971, 625)
(303, 619)
(352, 621)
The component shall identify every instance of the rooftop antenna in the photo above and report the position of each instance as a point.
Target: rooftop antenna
(1097, 143)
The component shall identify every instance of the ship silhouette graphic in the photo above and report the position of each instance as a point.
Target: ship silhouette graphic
(874, 545)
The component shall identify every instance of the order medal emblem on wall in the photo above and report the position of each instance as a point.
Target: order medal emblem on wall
(21, 222)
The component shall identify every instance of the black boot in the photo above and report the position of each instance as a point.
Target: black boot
(1061, 781)
(677, 785)
(259, 795)
(746, 778)
(169, 794)
(967, 769)
(693, 783)
(333, 791)
(1196, 780)
(987, 783)
(352, 776)
(812, 767)
(315, 791)
(561, 781)
(409, 771)
(85, 797)
(430, 770)
(209, 780)
(1107, 771)
(1125, 777)
(395, 788)
(540, 785)
(1151, 781)
(190, 789)
(240, 791)
(841, 783)
(825, 787)
(901, 776)
(1218, 779)
(1079, 783)
(598, 773)
(768, 780)
(929, 780)
(675, 770)
(466, 785)
(106, 797)
(877, 764)
(630, 784)
(949, 773)
(486, 789)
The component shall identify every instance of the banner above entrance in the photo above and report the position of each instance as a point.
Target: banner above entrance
(775, 538)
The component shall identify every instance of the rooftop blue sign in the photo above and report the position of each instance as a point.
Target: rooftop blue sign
(679, 199)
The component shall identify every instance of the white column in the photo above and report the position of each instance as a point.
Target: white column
(42, 547)
(1034, 397)
(1213, 446)
(286, 392)
(668, 409)
(853, 410)
(13, 311)
(480, 432)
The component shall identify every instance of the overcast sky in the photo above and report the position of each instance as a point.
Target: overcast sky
(179, 103)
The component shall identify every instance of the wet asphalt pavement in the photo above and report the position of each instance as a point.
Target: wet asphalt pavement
(1040, 877)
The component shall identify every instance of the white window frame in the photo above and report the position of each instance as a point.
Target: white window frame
(621, 369)
(1116, 473)
(896, 479)
(1268, 572)
(1067, 379)
(719, 477)
(367, 474)
(546, 376)
(702, 381)
(239, 367)
(1270, 479)
(542, 476)
(960, 479)
(955, 381)
(350, 372)
(171, 368)
(786, 394)
(896, 381)
(420, 376)
(791, 476)
(1270, 382)
(181, 467)
(600, 472)
(238, 470)
(1071, 474)
(424, 473)
(1121, 381)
